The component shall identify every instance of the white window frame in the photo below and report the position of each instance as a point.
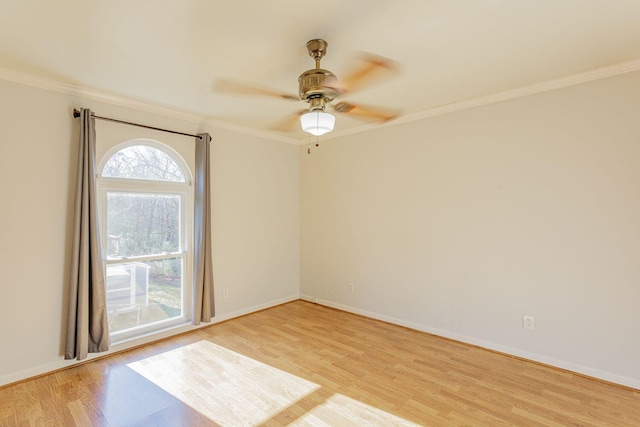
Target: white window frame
(184, 190)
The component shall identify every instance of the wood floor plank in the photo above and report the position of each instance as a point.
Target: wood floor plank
(308, 365)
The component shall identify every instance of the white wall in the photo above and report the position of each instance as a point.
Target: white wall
(462, 223)
(255, 217)
(457, 224)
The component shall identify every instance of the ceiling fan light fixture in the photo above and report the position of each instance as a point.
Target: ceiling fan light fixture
(317, 122)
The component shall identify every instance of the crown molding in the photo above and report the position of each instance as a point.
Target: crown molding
(25, 78)
(146, 106)
(576, 79)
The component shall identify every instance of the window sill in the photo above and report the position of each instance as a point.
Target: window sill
(143, 335)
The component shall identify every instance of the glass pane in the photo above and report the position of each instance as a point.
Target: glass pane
(143, 162)
(141, 293)
(142, 224)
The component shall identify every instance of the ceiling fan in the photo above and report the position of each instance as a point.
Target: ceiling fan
(319, 87)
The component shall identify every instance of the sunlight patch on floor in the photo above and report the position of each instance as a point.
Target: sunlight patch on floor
(232, 389)
(226, 387)
(340, 410)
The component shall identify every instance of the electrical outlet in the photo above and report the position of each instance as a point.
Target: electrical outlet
(225, 292)
(528, 322)
(350, 287)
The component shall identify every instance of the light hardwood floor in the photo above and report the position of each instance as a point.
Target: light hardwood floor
(304, 364)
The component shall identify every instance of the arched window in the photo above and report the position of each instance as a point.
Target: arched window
(145, 197)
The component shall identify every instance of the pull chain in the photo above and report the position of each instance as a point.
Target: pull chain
(317, 126)
(317, 123)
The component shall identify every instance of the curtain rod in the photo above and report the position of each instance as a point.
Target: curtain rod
(76, 114)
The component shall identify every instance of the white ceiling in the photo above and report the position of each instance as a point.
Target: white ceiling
(170, 52)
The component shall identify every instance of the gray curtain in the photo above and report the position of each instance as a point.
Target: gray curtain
(87, 325)
(203, 304)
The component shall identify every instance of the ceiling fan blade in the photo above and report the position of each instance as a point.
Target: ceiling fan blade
(289, 123)
(238, 88)
(375, 113)
(370, 69)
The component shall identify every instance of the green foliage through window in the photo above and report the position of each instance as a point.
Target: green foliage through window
(142, 224)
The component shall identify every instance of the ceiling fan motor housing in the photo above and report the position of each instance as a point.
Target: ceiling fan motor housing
(317, 86)
(317, 83)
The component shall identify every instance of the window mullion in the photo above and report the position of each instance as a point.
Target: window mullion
(144, 258)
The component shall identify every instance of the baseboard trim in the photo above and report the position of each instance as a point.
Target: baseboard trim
(584, 371)
(62, 364)
(127, 345)
(253, 309)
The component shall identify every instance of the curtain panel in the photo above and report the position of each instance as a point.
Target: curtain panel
(203, 302)
(87, 325)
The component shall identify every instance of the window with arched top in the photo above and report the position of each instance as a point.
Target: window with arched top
(145, 197)
(143, 162)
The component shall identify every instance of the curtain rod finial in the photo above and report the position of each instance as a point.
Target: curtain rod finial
(76, 113)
